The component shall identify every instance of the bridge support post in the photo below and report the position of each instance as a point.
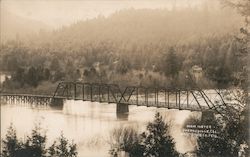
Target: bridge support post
(57, 102)
(122, 108)
(207, 115)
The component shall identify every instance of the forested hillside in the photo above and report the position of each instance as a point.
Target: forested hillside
(131, 47)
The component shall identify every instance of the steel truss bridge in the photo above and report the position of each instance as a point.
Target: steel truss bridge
(185, 99)
(131, 95)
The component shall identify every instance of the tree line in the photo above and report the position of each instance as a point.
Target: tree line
(35, 145)
(131, 48)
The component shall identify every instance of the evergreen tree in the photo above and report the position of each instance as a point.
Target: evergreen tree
(213, 146)
(62, 148)
(229, 136)
(171, 64)
(156, 140)
(35, 145)
(19, 76)
(32, 77)
(10, 144)
(55, 65)
(46, 74)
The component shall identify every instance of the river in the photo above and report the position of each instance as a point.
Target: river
(90, 124)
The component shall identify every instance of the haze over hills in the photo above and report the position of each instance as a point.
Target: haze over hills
(27, 17)
(145, 26)
(64, 12)
(13, 26)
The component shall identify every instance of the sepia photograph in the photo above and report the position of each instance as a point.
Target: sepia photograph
(124, 78)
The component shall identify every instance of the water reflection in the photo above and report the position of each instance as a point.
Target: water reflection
(122, 116)
(89, 124)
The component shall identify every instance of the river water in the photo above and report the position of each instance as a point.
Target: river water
(90, 124)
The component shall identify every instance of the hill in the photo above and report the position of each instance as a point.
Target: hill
(13, 26)
(147, 26)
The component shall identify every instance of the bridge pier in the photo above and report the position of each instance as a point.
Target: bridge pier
(122, 108)
(207, 115)
(57, 102)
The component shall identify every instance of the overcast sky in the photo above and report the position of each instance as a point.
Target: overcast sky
(56, 13)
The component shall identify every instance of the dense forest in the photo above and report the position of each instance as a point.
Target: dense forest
(149, 47)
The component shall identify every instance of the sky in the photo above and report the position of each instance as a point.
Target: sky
(56, 13)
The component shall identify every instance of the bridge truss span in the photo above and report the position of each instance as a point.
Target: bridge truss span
(131, 95)
(185, 99)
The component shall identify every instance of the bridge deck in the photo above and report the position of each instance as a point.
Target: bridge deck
(32, 95)
(168, 105)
